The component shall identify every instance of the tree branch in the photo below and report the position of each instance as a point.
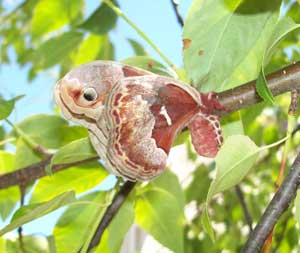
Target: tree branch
(35, 171)
(284, 80)
(278, 205)
(243, 204)
(177, 13)
(110, 212)
(279, 82)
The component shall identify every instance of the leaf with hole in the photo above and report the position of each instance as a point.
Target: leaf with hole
(226, 40)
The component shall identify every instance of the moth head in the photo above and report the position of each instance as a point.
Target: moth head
(82, 92)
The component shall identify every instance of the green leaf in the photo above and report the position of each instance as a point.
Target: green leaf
(198, 188)
(158, 212)
(25, 155)
(169, 182)
(31, 212)
(107, 51)
(89, 49)
(282, 28)
(181, 138)
(52, 15)
(101, 21)
(137, 47)
(51, 131)
(7, 106)
(205, 221)
(114, 235)
(80, 179)
(233, 162)
(297, 205)
(224, 41)
(10, 196)
(75, 151)
(147, 63)
(263, 89)
(77, 220)
(294, 12)
(60, 47)
(32, 244)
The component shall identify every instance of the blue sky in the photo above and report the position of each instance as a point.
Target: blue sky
(155, 18)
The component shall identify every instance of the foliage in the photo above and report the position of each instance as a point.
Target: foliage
(226, 43)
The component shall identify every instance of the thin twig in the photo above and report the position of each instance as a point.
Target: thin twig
(294, 102)
(175, 6)
(278, 205)
(110, 212)
(244, 206)
(20, 229)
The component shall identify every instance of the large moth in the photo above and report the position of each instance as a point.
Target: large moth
(133, 115)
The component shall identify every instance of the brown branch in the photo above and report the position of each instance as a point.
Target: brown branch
(278, 205)
(20, 229)
(279, 82)
(110, 212)
(177, 13)
(35, 171)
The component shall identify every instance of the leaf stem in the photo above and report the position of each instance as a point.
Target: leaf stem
(119, 12)
(7, 141)
(35, 146)
(276, 143)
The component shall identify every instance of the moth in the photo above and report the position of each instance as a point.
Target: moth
(133, 116)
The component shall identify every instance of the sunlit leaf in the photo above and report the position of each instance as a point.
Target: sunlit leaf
(224, 36)
(76, 221)
(89, 49)
(51, 131)
(170, 183)
(31, 212)
(10, 196)
(52, 15)
(233, 162)
(59, 47)
(31, 244)
(80, 179)
(75, 151)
